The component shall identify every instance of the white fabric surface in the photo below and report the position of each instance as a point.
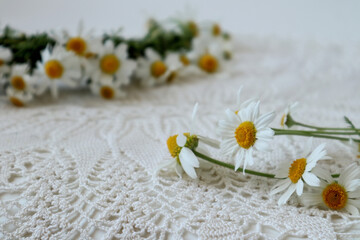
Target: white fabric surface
(81, 167)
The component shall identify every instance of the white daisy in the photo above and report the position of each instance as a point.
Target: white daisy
(298, 172)
(18, 98)
(343, 194)
(286, 115)
(82, 43)
(244, 131)
(5, 58)
(59, 65)
(181, 149)
(108, 88)
(206, 54)
(19, 78)
(113, 62)
(154, 70)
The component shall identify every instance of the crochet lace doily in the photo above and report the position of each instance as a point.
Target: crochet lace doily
(83, 168)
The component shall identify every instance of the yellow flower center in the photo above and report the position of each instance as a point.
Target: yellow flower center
(216, 30)
(18, 82)
(174, 149)
(193, 28)
(158, 68)
(1, 62)
(109, 64)
(358, 156)
(54, 69)
(171, 77)
(77, 45)
(297, 169)
(245, 134)
(17, 102)
(107, 92)
(335, 196)
(208, 63)
(185, 61)
(282, 122)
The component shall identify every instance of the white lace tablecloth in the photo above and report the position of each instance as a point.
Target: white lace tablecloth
(82, 168)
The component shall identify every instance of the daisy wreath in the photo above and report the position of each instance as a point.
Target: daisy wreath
(245, 130)
(32, 64)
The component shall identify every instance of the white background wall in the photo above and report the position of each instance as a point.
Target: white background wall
(322, 20)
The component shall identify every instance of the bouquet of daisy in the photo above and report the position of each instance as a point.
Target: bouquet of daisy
(32, 64)
(245, 130)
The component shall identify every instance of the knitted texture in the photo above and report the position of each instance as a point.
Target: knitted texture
(83, 168)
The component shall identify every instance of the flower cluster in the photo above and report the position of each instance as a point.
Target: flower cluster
(244, 130)
(31, 65)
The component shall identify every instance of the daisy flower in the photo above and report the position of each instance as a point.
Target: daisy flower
(82, 43)
(207, 55)
(181, 148)
(21, 85)
(243, 132)
(20, 80)
(59, 65)
(154, 70)
(108, 88)
(113, 62)
(299, 171)
(343, 194)
(5, 58)
(18, 98)
(286, 116)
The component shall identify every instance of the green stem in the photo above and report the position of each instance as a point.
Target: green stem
(230, 166)
(291, 131)
(322, 128)
(310, 134)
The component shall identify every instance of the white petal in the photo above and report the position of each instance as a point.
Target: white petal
(181, 140)
(323, 174)
(152, 55)
(239, 159)
(352, 209)
(280, 186)
(211, 142)
(262, 145)
(311, 199)
(232, 117)
(311, 179)
(178, 170)
(299, 187)
(350, 172)
(355, 194)
(352, 185)
(121, 51)
(285, 197)
(265, 120)
(283, 171)
(188, 157)
(189, 170)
